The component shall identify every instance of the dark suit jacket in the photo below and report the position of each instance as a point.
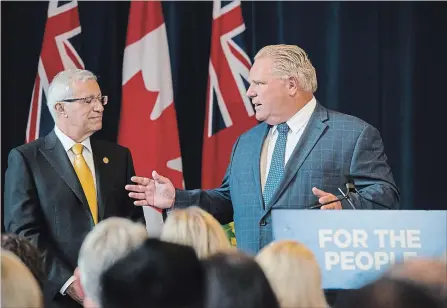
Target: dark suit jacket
(332, 145)
(44, 202)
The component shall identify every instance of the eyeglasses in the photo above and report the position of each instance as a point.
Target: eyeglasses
(88, 100)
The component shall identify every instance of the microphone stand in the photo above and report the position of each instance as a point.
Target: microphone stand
(346, 196)
(316, 206)
(349, 186)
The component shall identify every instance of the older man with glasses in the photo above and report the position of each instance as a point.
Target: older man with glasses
(57, 188)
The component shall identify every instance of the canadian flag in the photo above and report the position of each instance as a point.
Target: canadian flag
(148, 122)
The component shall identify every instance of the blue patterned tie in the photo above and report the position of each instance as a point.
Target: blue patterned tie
(277, 164)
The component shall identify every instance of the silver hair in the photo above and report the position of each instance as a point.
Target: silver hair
(61, 87)
(109, 241)
(291, 61)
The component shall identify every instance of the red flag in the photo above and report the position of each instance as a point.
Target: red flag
(148, 122)
(58, 53)
(229, 112)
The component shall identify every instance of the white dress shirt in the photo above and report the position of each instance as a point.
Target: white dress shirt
(68, 143)
(297, 123)
(87, 152)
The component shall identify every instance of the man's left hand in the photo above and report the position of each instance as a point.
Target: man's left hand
(324, 197)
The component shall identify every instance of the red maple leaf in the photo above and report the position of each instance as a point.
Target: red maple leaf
(153, 143)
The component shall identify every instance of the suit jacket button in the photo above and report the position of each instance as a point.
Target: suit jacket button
(263, 223)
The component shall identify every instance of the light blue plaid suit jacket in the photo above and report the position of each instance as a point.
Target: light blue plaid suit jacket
(332, 146)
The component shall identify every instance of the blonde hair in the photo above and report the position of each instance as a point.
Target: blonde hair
(293, 273)
(19, 287)
(291, 61)
(196, 228)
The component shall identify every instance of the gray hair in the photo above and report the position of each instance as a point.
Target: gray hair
(61, 87)
(109, 241)
(291, 61)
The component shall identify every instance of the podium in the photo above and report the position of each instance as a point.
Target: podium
(354, 247)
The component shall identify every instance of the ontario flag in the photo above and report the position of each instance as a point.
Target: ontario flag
(148, 122)
(229, 112)
(59, 52)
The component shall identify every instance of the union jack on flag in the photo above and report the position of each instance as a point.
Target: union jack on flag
(58, 53)
(229, 112)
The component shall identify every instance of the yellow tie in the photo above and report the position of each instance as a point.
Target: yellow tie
(86, 178)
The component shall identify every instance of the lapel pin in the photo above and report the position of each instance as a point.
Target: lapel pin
(105, 160)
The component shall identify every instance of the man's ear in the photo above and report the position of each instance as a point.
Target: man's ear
(292, 85)
(60, 109)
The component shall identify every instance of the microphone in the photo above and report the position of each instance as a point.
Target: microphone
(350, 188)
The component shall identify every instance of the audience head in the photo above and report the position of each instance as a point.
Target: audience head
(27, 253)
(293, 273)
(109, 241)
(196, 228)
(236, 280)
(19, 287)
(430, 273)
(157, 274)
(391, 293)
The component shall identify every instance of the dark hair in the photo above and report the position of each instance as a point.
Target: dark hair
(390, 293)
(27, 253)
(157, 274)
(236, 280)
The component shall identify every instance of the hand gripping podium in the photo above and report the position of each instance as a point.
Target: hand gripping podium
(355, 247)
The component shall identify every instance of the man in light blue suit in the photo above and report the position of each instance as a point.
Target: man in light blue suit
(299, 154)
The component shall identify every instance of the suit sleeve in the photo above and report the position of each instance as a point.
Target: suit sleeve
(133, 212)
(371, 173)
(217, 201)
(23, 216)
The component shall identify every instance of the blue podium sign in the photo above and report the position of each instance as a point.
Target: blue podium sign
(355, 247)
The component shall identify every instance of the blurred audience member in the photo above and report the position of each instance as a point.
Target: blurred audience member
(19, 287)
(157, 274)
(431, 273)
(196, 228)
(109, 241)
(28, 254)
(293, 273)
(236, 280)
(390, 293)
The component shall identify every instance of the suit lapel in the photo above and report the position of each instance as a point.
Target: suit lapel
(311, 135)
(258, 141)
(55, 154)
(102, 177)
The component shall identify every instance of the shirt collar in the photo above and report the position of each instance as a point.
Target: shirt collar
(68, 143)
(299, 119)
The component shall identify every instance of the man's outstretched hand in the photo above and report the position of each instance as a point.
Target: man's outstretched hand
(158, 191)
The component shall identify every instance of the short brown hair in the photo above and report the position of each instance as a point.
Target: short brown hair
(27, 253)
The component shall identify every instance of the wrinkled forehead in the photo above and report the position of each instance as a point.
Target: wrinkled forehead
(86, 88)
